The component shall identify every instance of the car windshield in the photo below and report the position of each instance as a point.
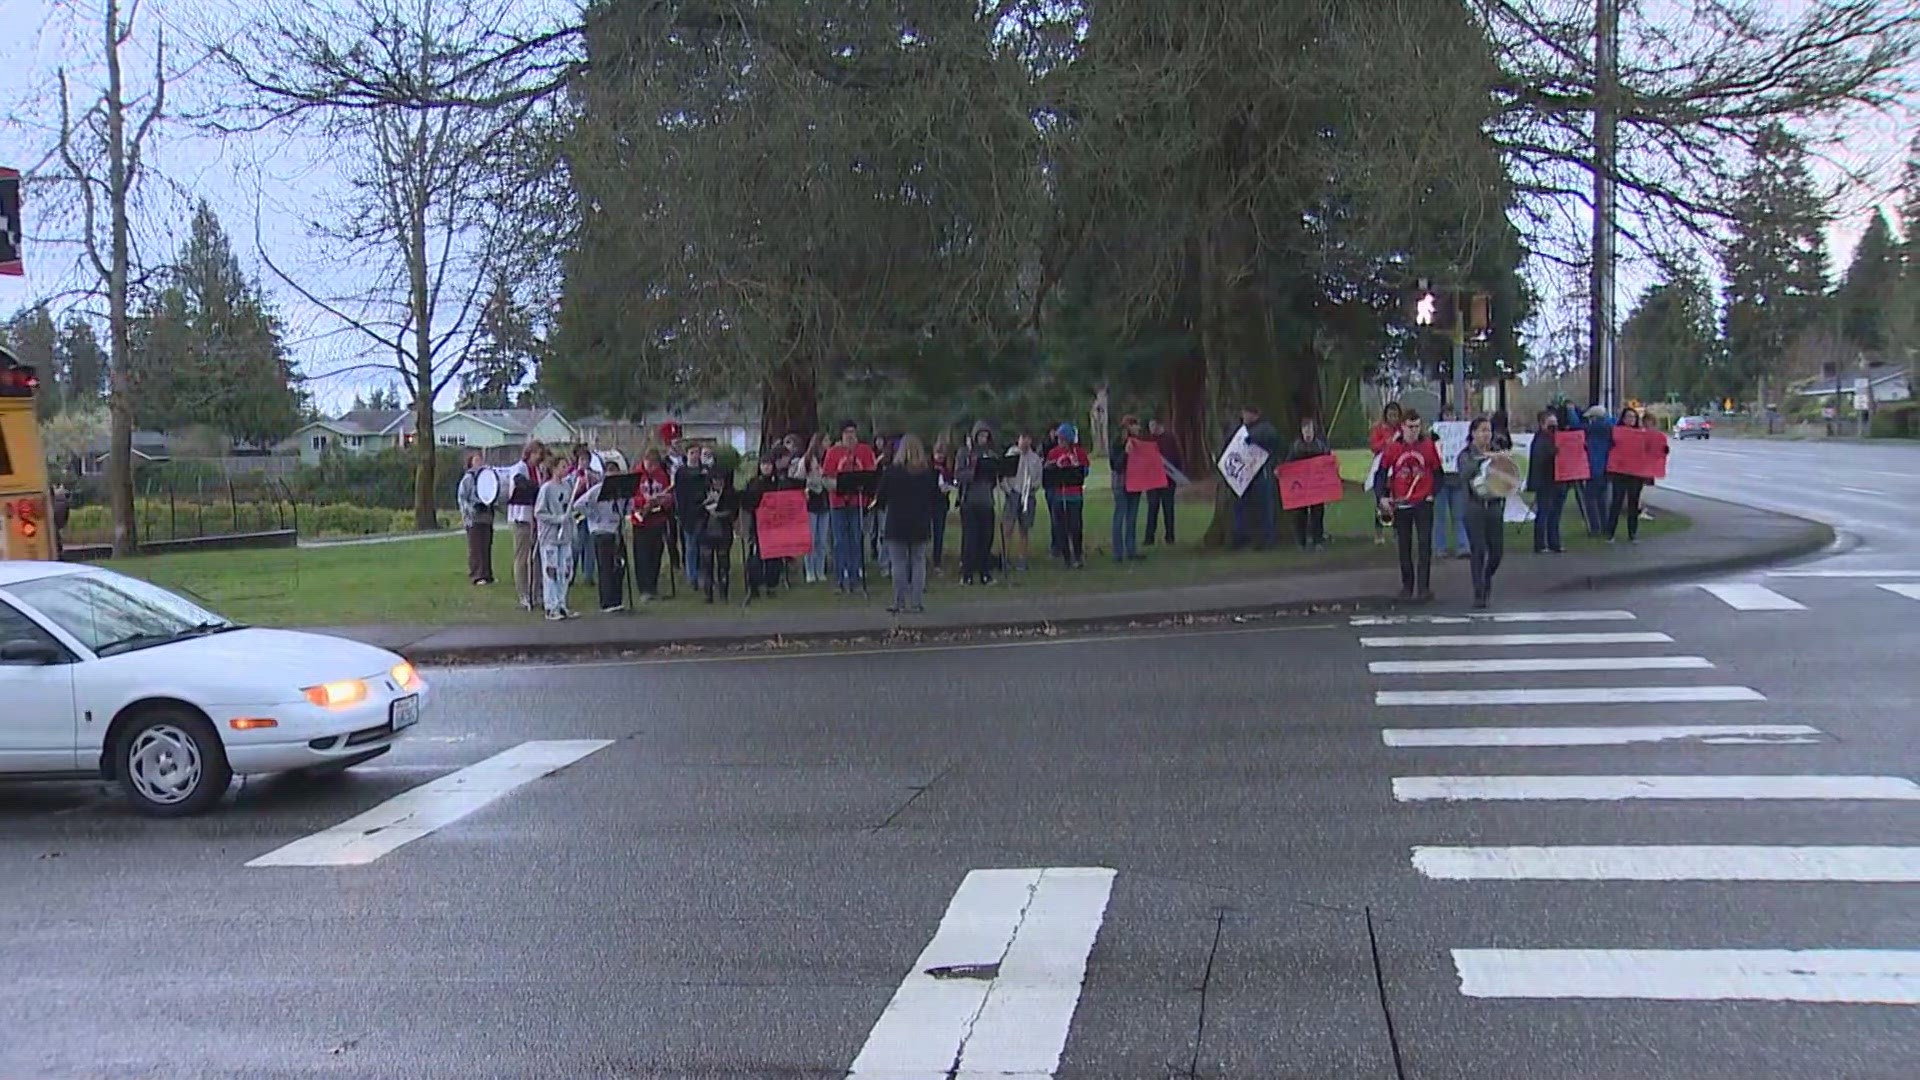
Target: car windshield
(110, 613)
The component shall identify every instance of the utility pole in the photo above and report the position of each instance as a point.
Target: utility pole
(1602, 376)
(1460, 301)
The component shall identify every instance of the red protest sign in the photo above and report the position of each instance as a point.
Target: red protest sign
(1570, 457)
(1310, 482)
(1146, 469)
(1640, 452)
(783, 525)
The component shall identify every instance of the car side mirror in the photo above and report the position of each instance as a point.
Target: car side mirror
(28, 651)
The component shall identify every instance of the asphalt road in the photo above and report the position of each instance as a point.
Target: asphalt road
(746, 879)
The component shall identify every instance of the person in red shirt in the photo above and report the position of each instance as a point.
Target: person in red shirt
(1409, 473)
(1160, 501)
(848, 508)
(652, 518)
(1064, 476)
(1377, 439)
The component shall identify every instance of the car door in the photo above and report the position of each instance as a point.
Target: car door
(38, 728)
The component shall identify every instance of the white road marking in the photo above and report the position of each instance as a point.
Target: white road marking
(1569, 695)
(1911, 592)
(1843, 573)
(1010, 957)
(1863, 491)
(434, 805)
(1710, 734)
(1616, 788)
(1492, 617)
(1499, 664)
(1852, 976)
(1670, 863)
(1456, 641)
(1753, 598)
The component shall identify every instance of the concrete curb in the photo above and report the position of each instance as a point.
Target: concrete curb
(1814, 538)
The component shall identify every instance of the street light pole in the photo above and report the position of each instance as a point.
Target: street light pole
(1602, 376)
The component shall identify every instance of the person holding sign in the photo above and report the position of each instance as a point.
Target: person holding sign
(1160, 500)
(1065, 478)
(910, 490)
(1490, 475)
(1549, 494)
(1309, 522)
(1450, 496)
(977, 472)
(1626, 486)
(1409, 472)
(1258, 504)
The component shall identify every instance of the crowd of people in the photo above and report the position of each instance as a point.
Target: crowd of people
(1428, 501)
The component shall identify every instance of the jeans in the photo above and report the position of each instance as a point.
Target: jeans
(690, 550)
(1126, 520)
(976, 538)
(1073, 524)
(1547, 508)
(1160, 504)
(606, 557)
(1310, 524)
(1450, 502)
(940, 508)
(583, 567)
(909, 560)
(1594, 505)
(480, 551)
(1626, 494)
(526, 563)
(821, 524)
(1413, 531)
(849, 569)
(1258, 509)
(556, 575)
(1487, 540)
(648, 546)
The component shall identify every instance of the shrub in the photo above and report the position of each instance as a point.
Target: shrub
(1896, 420)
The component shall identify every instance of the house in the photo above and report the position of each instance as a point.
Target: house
(148, 446)
(1884, 382)
(500, 432)
(734, 425)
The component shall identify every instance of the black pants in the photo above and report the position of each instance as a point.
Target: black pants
(1486, 541)
(1310, 524)
(608, 575)
(1160, 503)
(941, 507)
(1073, 522)
(1413, 530)
(716, 568)
(1626, 493)
(480, 551)
(648, 546)
(976, 538)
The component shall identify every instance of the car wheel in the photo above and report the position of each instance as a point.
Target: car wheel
(171, 763)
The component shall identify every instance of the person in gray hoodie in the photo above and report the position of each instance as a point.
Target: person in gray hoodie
(553, 517)
(977, 472)
(1019, 498)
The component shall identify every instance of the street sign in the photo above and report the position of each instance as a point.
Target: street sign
(10, 227)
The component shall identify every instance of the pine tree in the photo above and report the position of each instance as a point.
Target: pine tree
(501, 358)
(82, 360)
(1670, 343)
(1870, 292)
(1776, 263)
(1904, 324)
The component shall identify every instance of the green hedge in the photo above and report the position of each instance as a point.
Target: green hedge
(1897, 420)
(93, 524)
(381, 480)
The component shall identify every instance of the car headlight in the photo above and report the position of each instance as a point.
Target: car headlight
(404, 676)
(338, 694)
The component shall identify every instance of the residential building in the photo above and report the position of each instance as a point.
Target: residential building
(498, 432)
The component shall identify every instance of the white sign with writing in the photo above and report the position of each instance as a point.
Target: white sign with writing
(1241, 462)
(1453, 439)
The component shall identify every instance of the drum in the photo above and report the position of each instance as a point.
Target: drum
(488, 488)
(1500, 476)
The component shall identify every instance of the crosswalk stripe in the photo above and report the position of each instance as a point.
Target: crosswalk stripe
(1849, 976)
(1911, 592)
(1454, 641)
(1506, 664)
(1569, 695)
(1492, 617)
(1670, 863)
(1710, 734)
(434, 805)
(994, 992)
(1843, 573)
(1742, 597)
(1616, 788)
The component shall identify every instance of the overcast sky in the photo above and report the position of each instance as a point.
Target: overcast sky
(261, 183)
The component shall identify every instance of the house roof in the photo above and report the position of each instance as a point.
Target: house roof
(1826, 387)
(369, 421)
(147, 444)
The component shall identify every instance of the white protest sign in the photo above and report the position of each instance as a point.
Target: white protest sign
(1241, 462)
(1453, 439)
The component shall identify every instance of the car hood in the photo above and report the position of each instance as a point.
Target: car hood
(255, 659)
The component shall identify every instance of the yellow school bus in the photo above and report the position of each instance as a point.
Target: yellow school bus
(26, 505)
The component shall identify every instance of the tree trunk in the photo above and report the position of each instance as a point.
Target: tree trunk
(425, 516)
(126, 539)
(789, 401)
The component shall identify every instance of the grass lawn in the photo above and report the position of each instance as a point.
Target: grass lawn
(423, 581)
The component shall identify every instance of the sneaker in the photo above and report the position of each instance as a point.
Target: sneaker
(1558, 550)
(891, 610)
(569, 613)
(614, 610)
(917, 610)
(1425, 597)
(966, 579)
(555, 616)
(986, 579)
(526, 605)
(1479, 603)
(1405, 594)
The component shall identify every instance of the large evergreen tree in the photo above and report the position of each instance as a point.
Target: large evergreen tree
(1775, 264)
(83, 362)
(502, 353)
(1869, 294)
(1670, 344)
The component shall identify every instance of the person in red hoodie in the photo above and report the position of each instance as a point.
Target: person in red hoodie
(652, 519)
(1409, 472)
(849, 508)
(1064, 476)
(1382, 434)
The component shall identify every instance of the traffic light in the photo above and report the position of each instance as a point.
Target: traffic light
(10, 228)
(1429, 308)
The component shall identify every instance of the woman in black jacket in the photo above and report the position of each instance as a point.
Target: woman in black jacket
(1549, 495)
(910, 490)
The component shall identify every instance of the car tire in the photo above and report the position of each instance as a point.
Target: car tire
(170, 763)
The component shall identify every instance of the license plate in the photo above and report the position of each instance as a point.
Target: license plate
(405, 712)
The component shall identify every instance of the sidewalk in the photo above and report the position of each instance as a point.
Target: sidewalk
(1724, 537)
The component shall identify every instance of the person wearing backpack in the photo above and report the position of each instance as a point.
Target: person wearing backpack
(1409, 475)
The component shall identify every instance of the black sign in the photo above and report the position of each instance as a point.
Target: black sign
(10, 230)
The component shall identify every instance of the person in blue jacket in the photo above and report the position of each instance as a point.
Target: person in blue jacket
(1593, 499)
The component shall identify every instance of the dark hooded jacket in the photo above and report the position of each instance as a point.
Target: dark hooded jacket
(976, 470)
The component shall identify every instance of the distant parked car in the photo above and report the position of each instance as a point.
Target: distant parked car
(1693, 427)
